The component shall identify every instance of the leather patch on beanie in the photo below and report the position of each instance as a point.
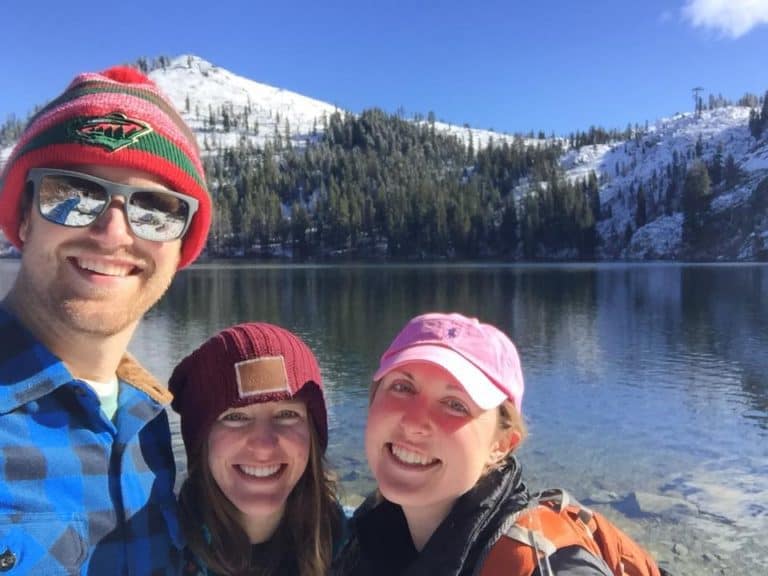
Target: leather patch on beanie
(265, 375)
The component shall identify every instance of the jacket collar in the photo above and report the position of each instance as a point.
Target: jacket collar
(458, 544)
(131, 372)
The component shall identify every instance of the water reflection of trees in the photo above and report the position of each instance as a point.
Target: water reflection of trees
(725, 314)
(359, 309)
(582, 317)
(706, 319)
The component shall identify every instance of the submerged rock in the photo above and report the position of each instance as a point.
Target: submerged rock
(646, 504)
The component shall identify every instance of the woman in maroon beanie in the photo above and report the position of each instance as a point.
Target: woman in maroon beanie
(258, 498)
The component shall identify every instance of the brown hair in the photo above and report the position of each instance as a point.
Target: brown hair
(311, 520)
(510, 420)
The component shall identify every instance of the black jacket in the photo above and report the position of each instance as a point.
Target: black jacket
(380, 543)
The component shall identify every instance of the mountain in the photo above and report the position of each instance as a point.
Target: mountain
(200, 89)
(197, 88)
(643, 175)
(710, 136)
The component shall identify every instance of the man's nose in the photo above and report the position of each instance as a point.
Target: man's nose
(112, 225)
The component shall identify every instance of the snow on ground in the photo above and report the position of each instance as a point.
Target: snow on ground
(579, 162)
(481, 138)
(756, 160)
(661, 238)
(644, 159)
(196, 87)
(4, 154)
(637, 159)
(731, 199)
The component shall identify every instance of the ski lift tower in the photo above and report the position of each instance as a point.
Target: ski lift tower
(697, 100)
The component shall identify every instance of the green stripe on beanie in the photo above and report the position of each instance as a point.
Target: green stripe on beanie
(153, 142)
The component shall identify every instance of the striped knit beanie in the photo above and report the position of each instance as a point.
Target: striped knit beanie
(245, 364)
(114, 118)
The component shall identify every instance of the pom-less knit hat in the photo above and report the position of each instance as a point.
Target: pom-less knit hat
(241, 365)
(114, 118)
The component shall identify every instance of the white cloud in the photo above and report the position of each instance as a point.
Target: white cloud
(733, 18)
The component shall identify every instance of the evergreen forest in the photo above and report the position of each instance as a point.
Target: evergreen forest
(377, 185)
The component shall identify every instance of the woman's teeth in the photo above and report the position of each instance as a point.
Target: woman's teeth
(408, 457)
(260, 471)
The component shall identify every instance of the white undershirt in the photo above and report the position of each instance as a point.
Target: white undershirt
(107, 393)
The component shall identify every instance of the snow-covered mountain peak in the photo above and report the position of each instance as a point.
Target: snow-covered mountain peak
(223, 107)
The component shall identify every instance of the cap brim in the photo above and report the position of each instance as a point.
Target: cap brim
(478, 386)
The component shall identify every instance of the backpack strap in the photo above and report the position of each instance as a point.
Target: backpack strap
(542, 546)
(552, 520)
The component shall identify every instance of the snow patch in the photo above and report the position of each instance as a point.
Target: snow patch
(661, 238)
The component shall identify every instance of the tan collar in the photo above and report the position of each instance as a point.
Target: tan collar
(130, 371)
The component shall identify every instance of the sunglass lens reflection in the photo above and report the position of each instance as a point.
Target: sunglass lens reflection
(71, 201)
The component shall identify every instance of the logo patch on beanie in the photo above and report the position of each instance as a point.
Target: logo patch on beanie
(112, 132)
(266, 375)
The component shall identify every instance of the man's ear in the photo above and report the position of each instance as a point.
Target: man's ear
(506, 441)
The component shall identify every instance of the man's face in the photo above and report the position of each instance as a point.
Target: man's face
(100, 279)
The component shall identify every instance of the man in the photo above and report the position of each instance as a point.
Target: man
(105, 196)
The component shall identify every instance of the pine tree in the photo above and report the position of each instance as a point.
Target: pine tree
(716, 167)
(225, 120)
(300, 224)
(755, 124)
(699, 149)
(759, 200)
(640, 213)
(731, 172)
(696, 196)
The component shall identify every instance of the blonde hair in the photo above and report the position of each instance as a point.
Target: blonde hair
(510, 418)
(510, 422)
(312, 517)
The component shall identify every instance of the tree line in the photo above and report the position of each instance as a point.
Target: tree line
(376, 184)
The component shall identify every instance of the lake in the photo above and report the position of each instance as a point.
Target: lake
(646, 385)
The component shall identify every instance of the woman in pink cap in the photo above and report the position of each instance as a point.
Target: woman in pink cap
(443, 423)
(258, 498)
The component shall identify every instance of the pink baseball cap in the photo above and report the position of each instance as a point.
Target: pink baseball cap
(479, 356)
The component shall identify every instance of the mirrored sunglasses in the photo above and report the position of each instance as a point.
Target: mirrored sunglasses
(77, 200)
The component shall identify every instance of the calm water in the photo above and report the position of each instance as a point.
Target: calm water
(649, 378)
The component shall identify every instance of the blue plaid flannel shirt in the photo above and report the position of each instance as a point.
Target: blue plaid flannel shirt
(79, 494)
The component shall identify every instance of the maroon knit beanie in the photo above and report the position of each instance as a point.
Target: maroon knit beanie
(119, 118)
(241, 365)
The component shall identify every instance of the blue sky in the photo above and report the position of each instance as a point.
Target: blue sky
(552, 65)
